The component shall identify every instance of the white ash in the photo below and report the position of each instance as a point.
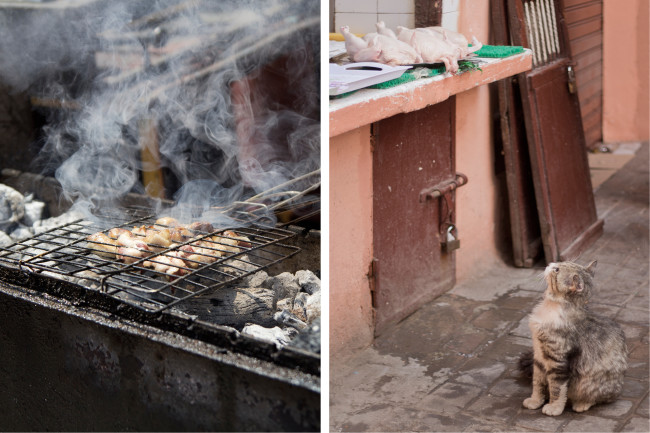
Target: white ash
(21, 232)
(50, 223)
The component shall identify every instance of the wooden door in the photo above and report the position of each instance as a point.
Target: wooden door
(556, 141)
(524, 222)
(412, 151)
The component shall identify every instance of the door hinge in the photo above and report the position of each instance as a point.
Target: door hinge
(372, 281)
(571, 79)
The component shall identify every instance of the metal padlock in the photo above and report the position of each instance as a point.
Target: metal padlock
(450, 243)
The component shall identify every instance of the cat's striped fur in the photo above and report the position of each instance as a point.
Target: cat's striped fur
(577, 355)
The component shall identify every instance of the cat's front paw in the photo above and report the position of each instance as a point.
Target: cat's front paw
(581, 407)
(533, 403)
(553, 409)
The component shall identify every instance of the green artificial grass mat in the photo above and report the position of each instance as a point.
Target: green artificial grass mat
(498, 51)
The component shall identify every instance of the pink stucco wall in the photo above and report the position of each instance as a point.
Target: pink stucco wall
(475, 202)
(625, 71)
(351, 320)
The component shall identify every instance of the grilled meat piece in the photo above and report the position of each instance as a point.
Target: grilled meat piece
(131, 248)
(145, 241)
(102, 245)
(169, 263)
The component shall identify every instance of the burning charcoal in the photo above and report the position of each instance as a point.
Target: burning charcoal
(5, 239)
(285, 285)
(312, 307)
(299, 304)
(309, 338)
(12, 207)
(306, 307)
(285, 317)
(234, 307)
(308, 281)
(258, 279)
(34, 210)
(280, 337)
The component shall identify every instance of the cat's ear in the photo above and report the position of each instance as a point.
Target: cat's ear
(592, 267)
(578, 286)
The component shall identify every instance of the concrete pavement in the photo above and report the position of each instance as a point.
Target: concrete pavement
(451, 366)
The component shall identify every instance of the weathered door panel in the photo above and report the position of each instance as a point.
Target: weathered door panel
(556, 141)
(567, 213)
(525, 228)
(524, 223)
(412, 151)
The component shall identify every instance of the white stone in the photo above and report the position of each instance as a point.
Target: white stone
(12, 207)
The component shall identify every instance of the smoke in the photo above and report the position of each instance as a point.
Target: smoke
(206, 103)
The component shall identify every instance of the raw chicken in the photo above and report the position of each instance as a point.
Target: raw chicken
(455, 38)
(389, 51)
(383, 30)
(353, 43)
(432, 49)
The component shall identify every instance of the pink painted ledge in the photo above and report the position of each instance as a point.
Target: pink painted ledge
(371, 105)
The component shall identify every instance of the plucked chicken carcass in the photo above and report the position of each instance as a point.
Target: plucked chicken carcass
(432, 49)
(455, 38)
(353, 43)
(387, 50)
(383, 30)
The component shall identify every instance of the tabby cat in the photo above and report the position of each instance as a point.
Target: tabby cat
(577, 355)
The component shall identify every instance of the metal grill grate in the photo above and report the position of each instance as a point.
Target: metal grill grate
(63, 253)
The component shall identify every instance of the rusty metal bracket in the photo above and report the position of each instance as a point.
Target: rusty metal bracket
(443, 187)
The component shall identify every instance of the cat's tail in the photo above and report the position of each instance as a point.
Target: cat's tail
(525, 365)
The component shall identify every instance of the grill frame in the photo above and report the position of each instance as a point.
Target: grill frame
(126, 282)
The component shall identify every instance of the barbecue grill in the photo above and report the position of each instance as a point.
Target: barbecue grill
(97, 313)
(63, 253)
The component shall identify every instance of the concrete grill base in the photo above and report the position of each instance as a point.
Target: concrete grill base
(65, 367)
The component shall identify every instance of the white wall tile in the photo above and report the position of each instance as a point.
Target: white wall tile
(365, 6)
(394, 20)
(396, 6)
(450, 5)
(450, 21)
(359, 23)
